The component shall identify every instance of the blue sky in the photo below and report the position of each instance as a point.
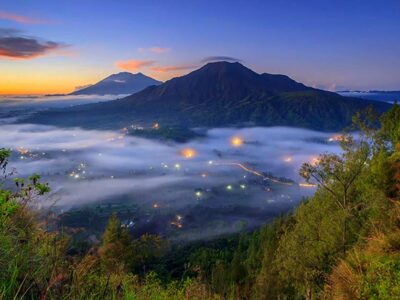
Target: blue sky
(331, 44)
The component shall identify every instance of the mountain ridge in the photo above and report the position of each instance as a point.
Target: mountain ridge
(220, 94)
(117, 84)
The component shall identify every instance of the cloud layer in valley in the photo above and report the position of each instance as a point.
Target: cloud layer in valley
(118, 164)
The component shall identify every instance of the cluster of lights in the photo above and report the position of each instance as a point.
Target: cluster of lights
(137, 127)
(129, 224)
(155, 125)
(229, 187)
(80, 172)
(22, 150)
(26, 153)
(110, 137)
(177, 222)
(336, 138)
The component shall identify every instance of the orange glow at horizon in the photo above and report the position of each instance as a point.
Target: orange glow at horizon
(40, 83)
(30, 81)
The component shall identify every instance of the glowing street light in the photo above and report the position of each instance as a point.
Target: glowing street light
(188, 153)
(236, 141)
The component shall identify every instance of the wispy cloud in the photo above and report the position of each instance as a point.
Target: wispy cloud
(133, 64)
(14, 45)
(220, 58)
(81, 87)
(332, 87)
(4, 15)
(165, 69)
(157, 50)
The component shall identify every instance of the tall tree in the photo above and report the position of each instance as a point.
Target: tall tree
(116, 249)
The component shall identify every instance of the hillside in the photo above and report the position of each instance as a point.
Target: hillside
(341, 243)
(219, 94)
(119, 84)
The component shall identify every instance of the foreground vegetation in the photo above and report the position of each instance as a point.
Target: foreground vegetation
(343, 243)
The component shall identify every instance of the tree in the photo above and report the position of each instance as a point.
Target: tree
(337, 175)
(146, 249)
(31, 258)
(390, 125)
(309, 246)
(238, 273)
(116, 249)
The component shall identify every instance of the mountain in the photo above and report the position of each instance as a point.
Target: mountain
(386, 96)
(117, 84)
(219, 94)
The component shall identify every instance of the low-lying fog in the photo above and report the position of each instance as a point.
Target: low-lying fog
(13, 108)
(227, 181)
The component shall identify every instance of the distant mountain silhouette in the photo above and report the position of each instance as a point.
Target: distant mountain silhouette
(219, 94)
(117, 84)
(387, 96)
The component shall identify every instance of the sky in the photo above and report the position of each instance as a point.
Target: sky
(52, 46)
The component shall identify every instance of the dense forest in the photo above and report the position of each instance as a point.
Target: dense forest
(342, 243)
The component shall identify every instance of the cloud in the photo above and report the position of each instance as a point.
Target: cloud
(165, 69)
(81, 87)
(21, 19)
(157, 50)
(117, 168)
(146, 169)
(14, 45)
(133, 64)
(219, 58)
(332, 87)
